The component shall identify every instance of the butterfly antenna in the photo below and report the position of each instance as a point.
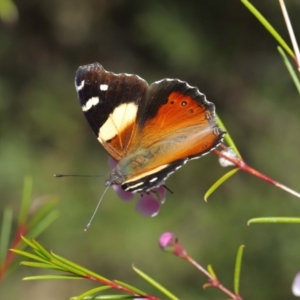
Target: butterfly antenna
(168, 189)
(94, 213)
(74, 175)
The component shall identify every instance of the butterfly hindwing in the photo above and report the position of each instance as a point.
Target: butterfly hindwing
(175, 123)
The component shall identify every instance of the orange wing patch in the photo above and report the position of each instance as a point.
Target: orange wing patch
(182, 128)
(180, 114)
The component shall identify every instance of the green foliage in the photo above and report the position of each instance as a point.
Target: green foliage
(31, 223)
(48, 260)
(269, 27)
(294, 76)
(237, 270)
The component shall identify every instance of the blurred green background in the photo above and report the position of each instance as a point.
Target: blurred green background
(216, 45)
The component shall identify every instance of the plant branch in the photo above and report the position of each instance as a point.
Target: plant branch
(240, 163)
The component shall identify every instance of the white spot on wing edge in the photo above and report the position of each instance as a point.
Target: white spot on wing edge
(103, 87)
(80, 86)
(181, 81)
(132, 75)
(122, 116)
(90, 103)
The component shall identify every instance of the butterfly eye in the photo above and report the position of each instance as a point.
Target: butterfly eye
(190, 111)
(183, 103)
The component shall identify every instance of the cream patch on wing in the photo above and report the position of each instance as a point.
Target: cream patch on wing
(117, 121)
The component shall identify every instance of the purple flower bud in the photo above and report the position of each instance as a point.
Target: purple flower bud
(161, 194)
(169, 243)
(168, 240)
(296, 285)
(148, 205)
(125, 196)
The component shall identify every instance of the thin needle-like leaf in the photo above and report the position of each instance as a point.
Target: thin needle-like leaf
(91, 292)
(41, 250)
(42, 211)
(130, 287)
(288, 220)
(36, 230)
(269, 27)
(76, 268)
(237, 269)
(228, 138)
(211, 271)
(108, 297)
(155, 284)
(52, 277)
(41, 265)
(26, 199)
(30, 255)
(29, 243)
(5, 233)
(291, 32)
(219, 182)
(290, 69)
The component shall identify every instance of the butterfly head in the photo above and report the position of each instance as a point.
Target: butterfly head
(114, 177)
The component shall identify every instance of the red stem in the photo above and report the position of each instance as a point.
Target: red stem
(213, 281)
(22, 229)
(239, 162)
(120, 288)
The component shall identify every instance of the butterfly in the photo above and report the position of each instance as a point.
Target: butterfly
(150, 130)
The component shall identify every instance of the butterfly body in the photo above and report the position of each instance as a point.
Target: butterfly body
(151, 131)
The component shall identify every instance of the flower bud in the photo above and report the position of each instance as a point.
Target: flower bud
(169, 243)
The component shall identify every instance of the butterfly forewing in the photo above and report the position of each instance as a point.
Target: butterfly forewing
(110, 103)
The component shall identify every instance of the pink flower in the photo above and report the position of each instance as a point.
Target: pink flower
(168, 242)
(148, 204)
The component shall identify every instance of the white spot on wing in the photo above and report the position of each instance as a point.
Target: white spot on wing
(122, 116)
(80, 86)
(103, 87)
(90, 103)
(153, 179)
(136, 191)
